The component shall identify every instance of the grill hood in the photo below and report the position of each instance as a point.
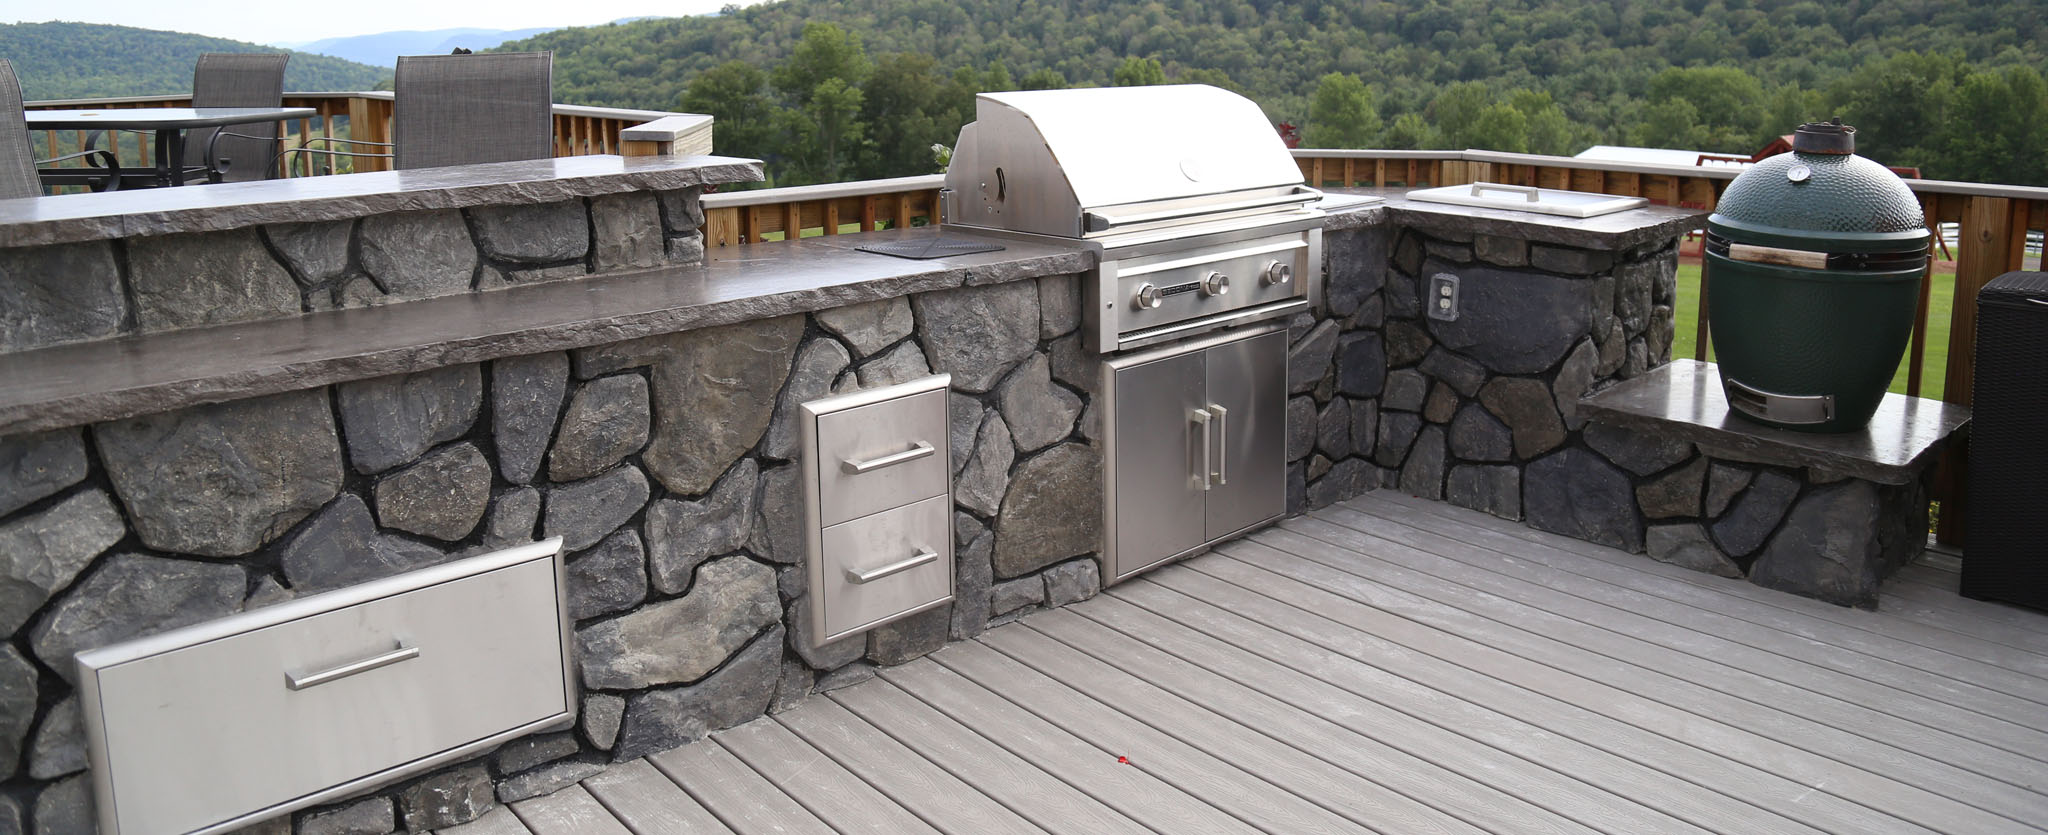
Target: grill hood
(1089, 162)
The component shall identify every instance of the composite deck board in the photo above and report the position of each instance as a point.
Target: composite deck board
(907, 776)
(744, 800)
(2007, 623)
(1020, 784)
(1700, 785)
(1080, 762)
(1242, 710)
(649, 803)
(498, 821)
(1396, 665)
(1266, 782)
(832, 793)
(1624, 626)
(1929, 575)
(1889, 636)
(571, 811)
(1770, 738)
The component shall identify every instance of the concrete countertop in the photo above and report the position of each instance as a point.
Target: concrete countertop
(89, 382)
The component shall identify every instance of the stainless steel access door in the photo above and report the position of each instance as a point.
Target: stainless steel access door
(1247, 402)
(1196, 446)
(1156, 472)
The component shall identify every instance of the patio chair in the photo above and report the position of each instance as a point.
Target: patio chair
(465, 109)
(18, 174)
(226, 79)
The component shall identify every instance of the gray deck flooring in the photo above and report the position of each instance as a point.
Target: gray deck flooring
(1396, 665)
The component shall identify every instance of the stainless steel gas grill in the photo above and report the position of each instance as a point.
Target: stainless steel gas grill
(1195, 209)
(1201, 224)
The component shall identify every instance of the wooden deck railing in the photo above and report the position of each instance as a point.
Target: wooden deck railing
(579, 130)
(774, 214)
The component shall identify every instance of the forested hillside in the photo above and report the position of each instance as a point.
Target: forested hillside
(843, 89)
(90, 60)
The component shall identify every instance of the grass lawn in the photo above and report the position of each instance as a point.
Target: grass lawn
(1940, 303)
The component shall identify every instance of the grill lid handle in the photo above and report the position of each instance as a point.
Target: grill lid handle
(1105, 221)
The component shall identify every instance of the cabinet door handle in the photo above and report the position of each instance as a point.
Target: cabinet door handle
(1201, 416)
(920, 450)
(864, 577)
(402, 653)
(1222, 442)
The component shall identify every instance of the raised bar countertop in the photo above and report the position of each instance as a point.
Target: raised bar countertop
(1684, 399)
(109, 379)
(73, 218)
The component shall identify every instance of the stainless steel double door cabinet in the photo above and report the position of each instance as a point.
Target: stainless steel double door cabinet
(1196, 446)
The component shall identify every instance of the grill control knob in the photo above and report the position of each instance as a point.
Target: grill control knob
(1148, 297)
(1279, 273)
(1215, 284)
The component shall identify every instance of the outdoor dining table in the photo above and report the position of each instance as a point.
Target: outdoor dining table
(168, 123)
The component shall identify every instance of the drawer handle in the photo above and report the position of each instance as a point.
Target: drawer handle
(863, 577)
(853, 467)
(403, 653)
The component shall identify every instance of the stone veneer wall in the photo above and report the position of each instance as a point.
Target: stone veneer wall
(55, 294)
(1480, 411)
(1483, 412)
(665, 463)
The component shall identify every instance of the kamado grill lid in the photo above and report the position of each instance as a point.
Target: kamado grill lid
(1821, 197)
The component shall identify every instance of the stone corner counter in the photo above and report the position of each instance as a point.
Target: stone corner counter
(1822, 515)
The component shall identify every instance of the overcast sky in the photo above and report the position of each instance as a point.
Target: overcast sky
(267, 23)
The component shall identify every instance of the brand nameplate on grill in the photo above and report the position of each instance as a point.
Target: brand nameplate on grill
(1178, 289)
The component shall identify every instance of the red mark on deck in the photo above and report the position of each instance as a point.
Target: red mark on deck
(1123, 760)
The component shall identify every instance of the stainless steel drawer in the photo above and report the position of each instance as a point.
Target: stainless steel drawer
(277, 708)
(881, 455)
(881, 567)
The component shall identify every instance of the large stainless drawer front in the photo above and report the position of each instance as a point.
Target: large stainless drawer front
(878, 505)
(215, 725)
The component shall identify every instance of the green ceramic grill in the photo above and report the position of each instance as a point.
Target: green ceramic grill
(1813, 267)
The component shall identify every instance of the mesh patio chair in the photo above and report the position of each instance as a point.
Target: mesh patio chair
(223, 79)
(18, 175)
(465, 109)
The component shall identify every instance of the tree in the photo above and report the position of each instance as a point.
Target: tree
(1500, 127)
(1673, 123)
(743, 117)
(826, 52)
(1898, 105)
(907, 107)
(820, 83)
(1549, 131)
(1043, 78)
(1341, 114)
(1409, 132)
(2010, 148)
(1455, 112)
(1726, 104)
(1138, 72)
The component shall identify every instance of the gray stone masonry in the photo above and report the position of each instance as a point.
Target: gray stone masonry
(274, 268)
(1826, 516)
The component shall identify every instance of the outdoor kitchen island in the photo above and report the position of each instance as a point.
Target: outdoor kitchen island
(590, 378)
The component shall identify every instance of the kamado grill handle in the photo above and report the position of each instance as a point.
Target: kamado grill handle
(1103, 222)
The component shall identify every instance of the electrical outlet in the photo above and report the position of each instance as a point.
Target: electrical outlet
(1442, 298)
